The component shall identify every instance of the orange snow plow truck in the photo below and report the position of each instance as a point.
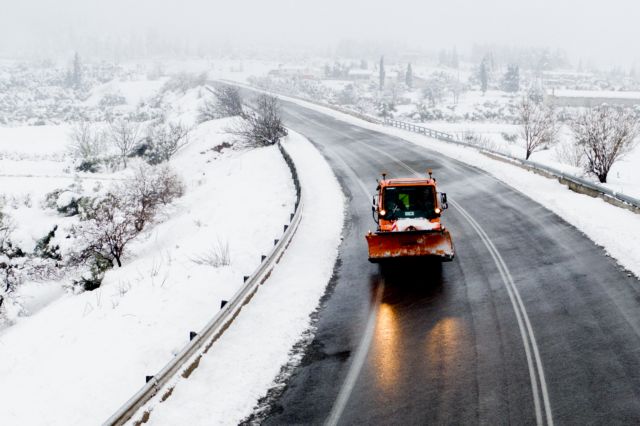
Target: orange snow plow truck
(408, 215)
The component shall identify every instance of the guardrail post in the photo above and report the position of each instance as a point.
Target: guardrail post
(192, 335)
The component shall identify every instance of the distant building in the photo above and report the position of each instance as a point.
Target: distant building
(302, 72)
(359, 74)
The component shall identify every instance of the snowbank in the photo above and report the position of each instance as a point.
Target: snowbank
(243, 364)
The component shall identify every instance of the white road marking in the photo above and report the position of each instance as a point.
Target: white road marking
(357, 363)
(524, 324)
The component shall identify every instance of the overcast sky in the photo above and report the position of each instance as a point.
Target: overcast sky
(606, 31)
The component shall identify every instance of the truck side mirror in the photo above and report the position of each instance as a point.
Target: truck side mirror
(443, 201)
(374, 209)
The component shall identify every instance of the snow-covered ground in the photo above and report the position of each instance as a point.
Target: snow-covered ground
(244, 362)
(99, 345)
(74, 358)
(618, 234)
(624, 176)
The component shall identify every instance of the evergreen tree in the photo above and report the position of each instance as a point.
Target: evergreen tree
(483, 76)
(363, 64)
(408, 76)
(382, 73)
(511, 80)
(443, 57)
(76, 76)
(454, 58)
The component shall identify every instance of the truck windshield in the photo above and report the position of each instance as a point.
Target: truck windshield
(410, 202)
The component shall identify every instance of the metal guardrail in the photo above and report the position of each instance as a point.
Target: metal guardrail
(188, 358)
(575, 183)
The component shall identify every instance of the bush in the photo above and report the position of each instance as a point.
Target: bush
(87, 146)
(111, 100)
(45, 249)
(163, 142)
(182, 82)
(89, 165)
(112, 221)
(227, 102)
(97, 271)
(510, 137)
(218, 255)
(10, 259)
(263, 126)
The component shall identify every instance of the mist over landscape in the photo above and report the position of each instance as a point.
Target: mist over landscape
(591, 31)
(319, 212)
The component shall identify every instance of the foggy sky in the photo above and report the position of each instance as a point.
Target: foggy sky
(605, 31)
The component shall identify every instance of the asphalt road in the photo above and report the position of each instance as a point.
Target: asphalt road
(530, 324)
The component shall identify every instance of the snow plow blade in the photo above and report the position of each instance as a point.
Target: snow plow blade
(410, 244)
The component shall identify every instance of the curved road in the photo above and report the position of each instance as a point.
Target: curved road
(530, 324)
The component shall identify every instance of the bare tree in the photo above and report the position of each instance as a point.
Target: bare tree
(226, 102)
(606, 135)
(538, 125)
(87, 145)
(148, 188)
(165, 141)
(108, 231)
(117, 218)
(124, 135)
(262, 126)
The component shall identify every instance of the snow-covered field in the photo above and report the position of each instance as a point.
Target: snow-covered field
(74, 358)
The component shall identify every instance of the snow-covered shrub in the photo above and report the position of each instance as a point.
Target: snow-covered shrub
(216, 256)
(570, 153)
(148, 189)
(87, 146)
(509, 137)
(163, 141)
(226, 102)
(184, 81)
(263, 126)
(111, 100)
(66, 202)
(114, 220)
(46, 249)
(124, 137)
(11, 261)
(92, 278)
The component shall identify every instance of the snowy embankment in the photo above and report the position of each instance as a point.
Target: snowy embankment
(613, 228)
(244, 362)
(623, 178)
(75, 360)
